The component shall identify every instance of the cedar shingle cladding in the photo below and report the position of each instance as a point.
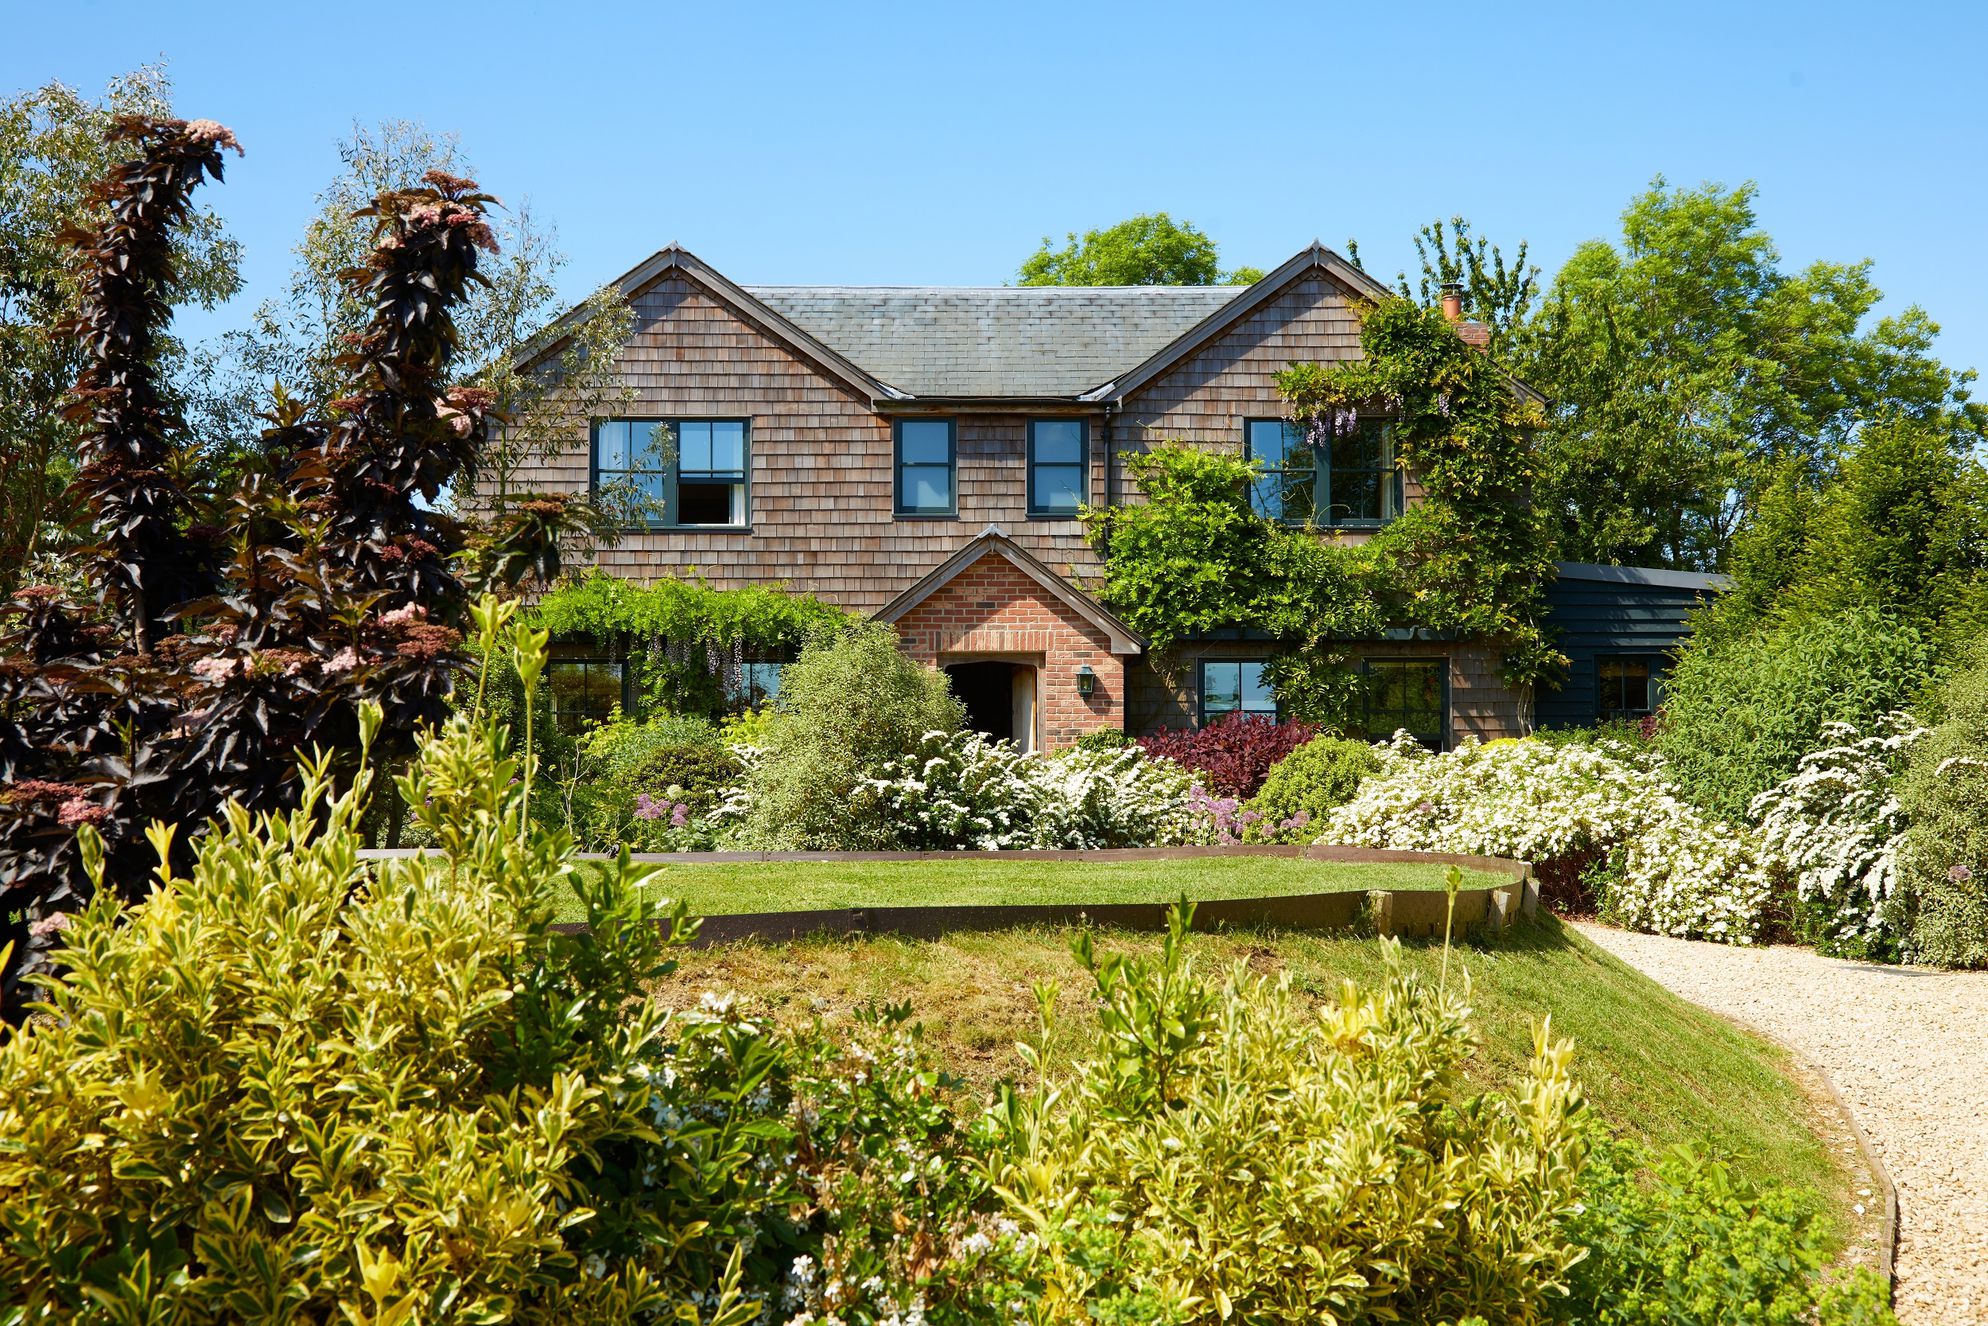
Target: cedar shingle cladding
(820, 491)
(821, 494)
(821, 498)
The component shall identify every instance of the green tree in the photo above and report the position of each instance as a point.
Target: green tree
(1495, 293)
(300, 338)
(1149, 249)
(1686, 364)
(53, 149)
(1898, 521)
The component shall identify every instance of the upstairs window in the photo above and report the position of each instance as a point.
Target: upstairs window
(926, 463)
(1349, 482)
(1411, 694)
(710, 472)
(672, 473)
(1059, 466)
(1234, 686)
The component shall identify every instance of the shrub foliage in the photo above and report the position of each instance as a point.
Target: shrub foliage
(1944, 794)
(295, 1085)
(1741, 710)
(1307, 785)
(848, 706)
(1230, 1152)
(1836, 828)
(1670, 869)
(1233, 754)
(230, 633)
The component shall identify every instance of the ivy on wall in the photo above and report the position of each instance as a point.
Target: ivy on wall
(680, 633)
(1471, 560)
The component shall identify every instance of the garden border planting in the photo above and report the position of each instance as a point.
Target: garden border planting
(1407, 913)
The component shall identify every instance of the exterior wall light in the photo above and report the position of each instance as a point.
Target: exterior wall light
(1087, 680)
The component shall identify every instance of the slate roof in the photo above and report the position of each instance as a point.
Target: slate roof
(1025, 341)
(1653, 576)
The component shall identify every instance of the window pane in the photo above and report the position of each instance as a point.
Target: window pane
(700, 503)
(728, 447)
(924, 442)
(611, 447)
(1356, 495)
(1285, 495)
(1406, 694)
(1058, 440)
(1363, 449)
(753, 684)
(693, 447)
(1221, 688)
(1256, 696)
(928, 488)
(1624, 687)
(648, 445)
(582, 692)
(1272, 441)
(1059, 487)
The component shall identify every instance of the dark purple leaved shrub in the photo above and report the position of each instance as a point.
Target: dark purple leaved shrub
(1233, 754)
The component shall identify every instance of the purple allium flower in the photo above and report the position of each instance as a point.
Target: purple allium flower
(648, 808)
(679, 816)
(1959, 874)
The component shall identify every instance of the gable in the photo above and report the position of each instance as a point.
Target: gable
(1231, 375)
(994, 549)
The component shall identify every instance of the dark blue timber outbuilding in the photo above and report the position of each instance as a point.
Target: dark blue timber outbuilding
(1619, 627)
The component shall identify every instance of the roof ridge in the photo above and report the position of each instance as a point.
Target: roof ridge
(1014, 289)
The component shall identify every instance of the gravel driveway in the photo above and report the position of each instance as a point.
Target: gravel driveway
(1908, 1049)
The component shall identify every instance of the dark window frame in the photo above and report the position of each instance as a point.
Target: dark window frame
(1439, 740)
(672, 473)
(1201, 715)
(1036, 510)
(1394, 488)
(898, 506)
(742, 670)
(1652, 685)
(589, 717)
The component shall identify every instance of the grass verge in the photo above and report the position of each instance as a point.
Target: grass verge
(756, 886)
(1655, 1067)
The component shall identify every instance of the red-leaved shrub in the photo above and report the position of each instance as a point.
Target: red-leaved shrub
(1233, 754)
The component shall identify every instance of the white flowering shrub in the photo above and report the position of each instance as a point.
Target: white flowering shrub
(1836, 828)
(1117, 798)
(959, 790)
(1671, 870)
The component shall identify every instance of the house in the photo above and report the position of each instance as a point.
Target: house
(921, 454)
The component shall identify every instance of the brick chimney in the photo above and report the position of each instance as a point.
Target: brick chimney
(1453, 300)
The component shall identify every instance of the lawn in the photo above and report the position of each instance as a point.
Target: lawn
(1654, 1067)
(756, 886)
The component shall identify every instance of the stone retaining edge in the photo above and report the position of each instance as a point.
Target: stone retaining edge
(1404, 913)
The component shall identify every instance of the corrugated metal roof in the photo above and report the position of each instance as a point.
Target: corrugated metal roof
(1038, 341)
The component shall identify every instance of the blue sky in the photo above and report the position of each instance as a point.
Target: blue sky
(938, 143)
